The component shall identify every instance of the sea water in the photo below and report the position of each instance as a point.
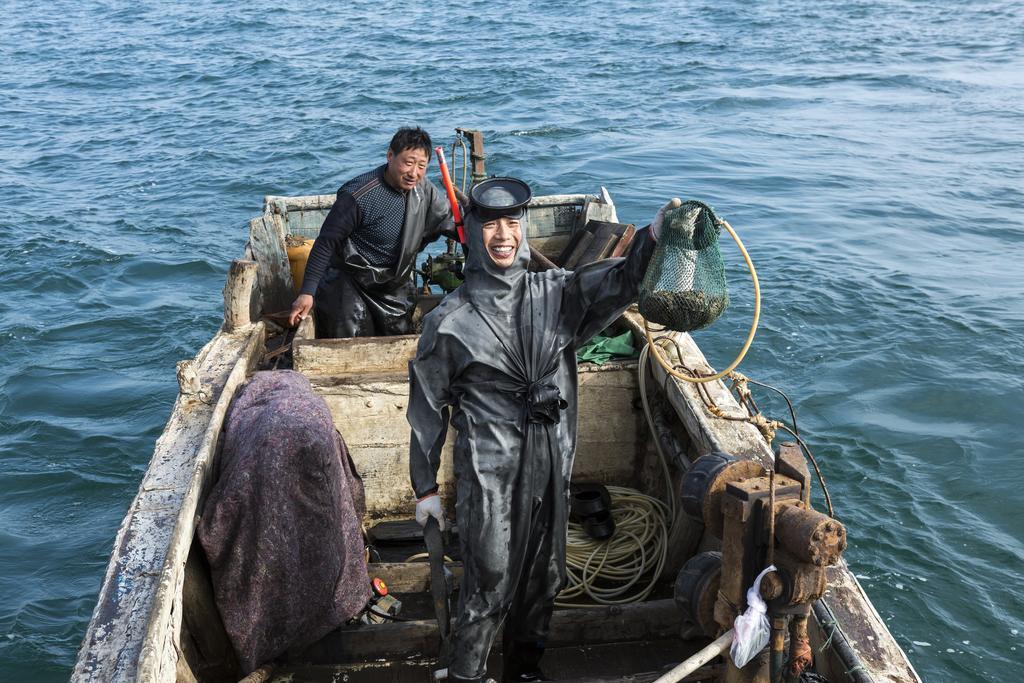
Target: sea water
(869, 154)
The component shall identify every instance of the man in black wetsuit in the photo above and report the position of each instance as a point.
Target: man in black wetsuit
(357, 276)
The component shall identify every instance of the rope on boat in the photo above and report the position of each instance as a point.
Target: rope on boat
(624, 568)
(766, 426)
(424, 556)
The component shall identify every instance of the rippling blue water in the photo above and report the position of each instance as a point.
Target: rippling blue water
(869, 153)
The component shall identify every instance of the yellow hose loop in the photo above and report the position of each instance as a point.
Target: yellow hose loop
(750, 336)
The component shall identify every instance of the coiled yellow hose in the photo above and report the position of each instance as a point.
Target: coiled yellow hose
(625, 567)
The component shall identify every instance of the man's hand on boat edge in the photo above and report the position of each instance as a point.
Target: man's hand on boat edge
(301, 307)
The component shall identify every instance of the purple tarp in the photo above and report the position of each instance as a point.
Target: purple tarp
(281, 526)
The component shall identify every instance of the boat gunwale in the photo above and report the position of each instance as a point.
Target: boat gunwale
(143, 579)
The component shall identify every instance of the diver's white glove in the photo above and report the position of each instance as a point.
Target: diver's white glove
(659, 218)
(427, 507)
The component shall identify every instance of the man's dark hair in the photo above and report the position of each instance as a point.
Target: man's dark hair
(410, 138)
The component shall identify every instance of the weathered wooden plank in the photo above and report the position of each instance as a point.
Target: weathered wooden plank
(274, 275)
(359, 355)
(550, 234)
(580, 247)
(540, 261)
(884, 659)
(301, 216)
(238, 294)
(558, 199)
(595, 209)
(133, 631)
(623, 244)
(313, 220)
(652, 620)
(164, 628)
(611, 434)
(385, 474)
(313, 202)
(370, 414)
(369, 411)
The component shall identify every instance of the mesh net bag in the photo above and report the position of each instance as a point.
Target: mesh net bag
(684, 288)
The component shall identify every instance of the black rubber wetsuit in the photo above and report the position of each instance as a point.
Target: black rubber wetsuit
(358, 270)
(500, 352)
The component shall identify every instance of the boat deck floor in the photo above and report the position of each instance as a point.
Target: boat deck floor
(609, 662)
(415, 637)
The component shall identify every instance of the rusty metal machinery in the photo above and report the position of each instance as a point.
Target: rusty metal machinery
(696, 590)
(762, 518)
(443, 270)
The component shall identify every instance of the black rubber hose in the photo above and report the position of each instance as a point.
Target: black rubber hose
(837, 639)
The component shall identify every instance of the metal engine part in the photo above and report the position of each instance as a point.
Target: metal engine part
(696, 590)
(809, 535)
(444, 270)
(705, 482)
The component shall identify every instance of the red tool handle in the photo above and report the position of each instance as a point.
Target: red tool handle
(446, 180)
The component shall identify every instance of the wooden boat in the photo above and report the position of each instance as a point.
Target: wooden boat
(155, 619)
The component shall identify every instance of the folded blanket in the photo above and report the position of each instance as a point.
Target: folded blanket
(281, 525)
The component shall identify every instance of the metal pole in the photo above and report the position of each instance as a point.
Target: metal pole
(699, 659)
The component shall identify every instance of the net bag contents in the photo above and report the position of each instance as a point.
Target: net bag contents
(684, 288)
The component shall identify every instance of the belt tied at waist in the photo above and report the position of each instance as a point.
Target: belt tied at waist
(544, 403)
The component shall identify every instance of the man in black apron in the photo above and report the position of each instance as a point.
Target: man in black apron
(500, 353)
(357, 277)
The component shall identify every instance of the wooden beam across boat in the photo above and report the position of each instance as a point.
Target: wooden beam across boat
(358, 355)
(642, 621)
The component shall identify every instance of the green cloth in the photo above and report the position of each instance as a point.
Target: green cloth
(601, 349)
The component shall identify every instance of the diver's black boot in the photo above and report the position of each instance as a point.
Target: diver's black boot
(521, 663)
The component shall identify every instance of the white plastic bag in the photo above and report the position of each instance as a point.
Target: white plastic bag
(751, 628)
